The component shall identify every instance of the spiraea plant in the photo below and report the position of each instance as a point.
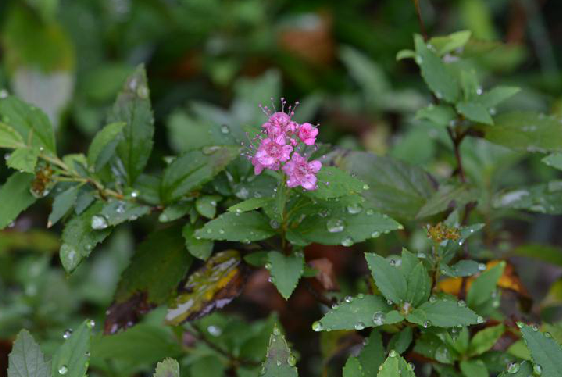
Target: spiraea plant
(242, 198)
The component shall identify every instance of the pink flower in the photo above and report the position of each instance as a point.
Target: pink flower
(307, 133)
(258, 168)
(272, 151)
(279, 123)
(301, 172)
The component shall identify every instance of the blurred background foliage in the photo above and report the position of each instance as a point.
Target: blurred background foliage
(208, 62)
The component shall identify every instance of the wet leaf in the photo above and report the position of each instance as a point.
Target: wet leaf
(26, 358)
(279, 361)
(73, 356)
(167, 368)
(15, 197)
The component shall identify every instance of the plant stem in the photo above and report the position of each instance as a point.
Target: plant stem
(420, 20)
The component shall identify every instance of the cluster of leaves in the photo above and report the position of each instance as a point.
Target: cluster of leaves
(438, 307)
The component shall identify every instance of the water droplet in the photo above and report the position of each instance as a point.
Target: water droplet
(392, 353)
(225, 130)
(365, 186)
(375, 234)
(99, 222)
(63, 369)
(242, 193)
(347, 241)
(348, 299)
(67, 333)
(292, 360)
(214, 330)
(268, 266)
(3, 93)
(534, 327)
(354, 208)
(274, 224)
(142, 92)
(378, 318)
(442, 354)
(461, 303)
(91, 323)
(359, 326)
(134, 194)
(479, 91)
(419, 59)
(426, 324)
(317, 326)
(432, 299)
(278, 363)
(335, 306)
(210, 150)
(537, 369)
(481, 267)
(480, 319)
(335, 225)
(520, 325)
(513, 368)
(163, 218)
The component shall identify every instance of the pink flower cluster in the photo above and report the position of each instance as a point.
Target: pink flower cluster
(281, 145)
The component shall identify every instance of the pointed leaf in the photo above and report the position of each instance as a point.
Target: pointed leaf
(419, 285)
(443, 313)
(388, 278)
(353, 368)
(544, 350)
(451, 42)
(483, 286)
(497, 95)
(15, 197)
(247, 226)
(395, 366)
(286, 271)
(10, 138)
(401, 340)
(104, 144)
(250, 204)
(355, 314)
(279, 362)
(554, 160)
(62, 204)
(167, 368)
(23, 160)
(475, 368)
(207, 205)
(372, 354)
(475, 112)
(485, 339)
(198, 247)
(26, 358)
(73, 356)
(334, 183)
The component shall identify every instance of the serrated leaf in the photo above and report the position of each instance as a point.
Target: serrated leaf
(163, 250)
(419, 285)
(334, 182)
(247, 226)
(26, 358)
(117, 212)
(356, 313)
(554, 160)
(211, 287)
(250, 204)
(15, 197)
(353, 368)
(442, 313)
(497, 95)
(474, 368)
(23, 160)
(62, 204)
(442, 199)
(132, 107)
(440, 115)
(526, 131)
(193, 169)
(395, 187)
(198, 247)
(485, 339)
(207, 205)
(401, 340)
(29, 122)
(542, 198)
(146, 342)
(483, 286)
(544, 350)
(475, 112)
(79, 239)
(279, 362)
(286, 271)
(73, 355)
(103, 145)
(388, 278)
(10, 138)
(435, 73)
(395, 365)
(451, 42)
(462, 268)
(372, 354)
(167, 368)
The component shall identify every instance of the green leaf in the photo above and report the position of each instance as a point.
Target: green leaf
(26, 358)
(116, 212)
(369, 76)
(103, 145)
(355, 314)
(198, 247)
(79, 239)
(193, 169)
(353, 368)
(475, 368)
(526, 131)
(542, 198)
(207, 205)
(15, 197)
(544, 349)
(146, 342)
(211, 366)
(405, 54)
(524, 369)
(483, 286)
(395, 187)
(286, 271)
(435, 73)
(419, 285)
(451, 42)
(334, 183)
(440, 201)
(132, 107)
(167, 368)
(247, 226)
(344, 221)
(29, 122)
(23, 160)
(440, 115)
(475, 112)
(401, 340)
(279, 361)
(497, 95)
(546, 253)
(443, 313)
(62, 204)
(250, 204)
(462, 268)
(10, 138)
(163, 250)
(395, 365)
(73, 356)
(389, 279)
(372, 354)
(210, 287)
(554, 160)
(175, 211)
(485, 339)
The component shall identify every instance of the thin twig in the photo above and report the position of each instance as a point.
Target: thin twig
(420, 20)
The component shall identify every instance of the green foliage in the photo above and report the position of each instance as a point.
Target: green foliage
(26, 358)
(15, 196)
(167, 368)
(73, 357)
(545, 351)
(286, 271)
(279, 361)
(247, 226)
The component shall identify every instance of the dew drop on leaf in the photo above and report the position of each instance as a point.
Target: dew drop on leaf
(354, 208)
(335, 225)
(359, 326)
(378, 318)
(347, 241)
(99, 222)
(63, 369)
(513, 368)
(317, 326)
(67, 333)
